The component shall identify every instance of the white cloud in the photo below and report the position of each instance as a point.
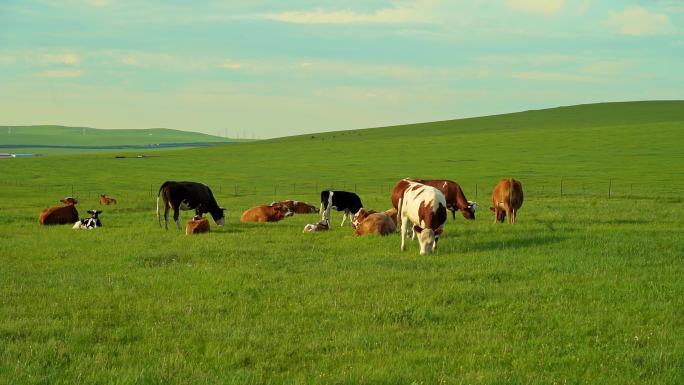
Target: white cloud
(548, 7)
(637, 21)
(417, 12)
(553, 77)
(66, 73)
(230, 65)
(62, 58)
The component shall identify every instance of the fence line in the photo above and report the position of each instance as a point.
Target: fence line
(564, 187)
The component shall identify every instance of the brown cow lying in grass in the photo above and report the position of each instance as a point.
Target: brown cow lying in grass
(298, 207)
(197, 225)
(105, 200)
(371, 222)
(507, 198)
(323, 225)
(60, 215)
(265, 213)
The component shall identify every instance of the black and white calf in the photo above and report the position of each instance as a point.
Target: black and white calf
(345, 201)
(89, 223)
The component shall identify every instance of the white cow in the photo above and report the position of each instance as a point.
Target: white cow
(424, 207)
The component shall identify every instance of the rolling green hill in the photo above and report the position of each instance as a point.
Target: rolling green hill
(61, 139)
(585, 288)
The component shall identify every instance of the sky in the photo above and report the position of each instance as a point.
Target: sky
(270, 68)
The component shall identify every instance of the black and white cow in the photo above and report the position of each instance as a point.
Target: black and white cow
(345, 201)
(89, 223)
(188, 196)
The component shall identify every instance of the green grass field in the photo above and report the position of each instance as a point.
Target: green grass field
(582, 290)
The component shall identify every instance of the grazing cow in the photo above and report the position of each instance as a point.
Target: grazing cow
(298, 207)
(376, 223)
(265, 213)
(188, 196)
(197, 225)
(453, 194)
(507, 198)
(424, 207)
(60, 215)
(89, 223)
(345, 201)
(320, 226)
(105, 200)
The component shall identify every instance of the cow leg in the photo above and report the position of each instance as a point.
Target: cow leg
(344, 216)
(166, 217)
(509, 212)
(404, 223)
(453, 213)
(176, 218)
(513, 213)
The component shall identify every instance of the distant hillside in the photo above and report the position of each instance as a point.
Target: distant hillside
(570, 117)
(80, 137)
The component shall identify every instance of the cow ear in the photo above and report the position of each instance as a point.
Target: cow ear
(439, 231)
(417, 229)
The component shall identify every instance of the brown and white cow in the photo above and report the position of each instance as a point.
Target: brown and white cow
(363, 214)
(265, 213)
(424, 208)
(507, 198)
(61, 214)
(197, 225)
(376, 223)
(455, 198)
(105, 200)
(298, 207)
(323, 225)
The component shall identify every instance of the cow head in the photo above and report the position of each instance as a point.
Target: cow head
(68, 201)
(219, 216)
(469, 212)
(281, 210)
(427, 239)
(500, 214)
(94, 213)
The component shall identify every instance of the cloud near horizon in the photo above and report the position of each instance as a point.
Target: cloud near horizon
(638, 21)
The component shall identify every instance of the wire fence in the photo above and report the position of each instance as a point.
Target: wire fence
(474, 190)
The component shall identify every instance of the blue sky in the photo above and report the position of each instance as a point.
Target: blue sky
(268, 68)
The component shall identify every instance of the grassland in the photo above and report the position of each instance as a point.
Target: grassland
(583, 290)
(50, 139)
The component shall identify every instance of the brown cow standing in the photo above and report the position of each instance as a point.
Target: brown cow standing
(60, 215)
(376, 223)
(452, 191)
(507, 198)
(265, 213)
(197, 225)
(298, 207)
(105, 200)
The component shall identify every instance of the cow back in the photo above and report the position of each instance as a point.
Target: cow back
(424, 206)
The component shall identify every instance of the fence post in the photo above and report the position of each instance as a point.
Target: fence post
(275, 191)
(294, 188)
(354, 187)
(561, 187)
(610, 185)
(475, 190)
(72, 190)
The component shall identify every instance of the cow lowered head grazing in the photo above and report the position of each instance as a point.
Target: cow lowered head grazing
(455, 199)
(89, 223)
(507, 198)
(188, 196)
(345, 201)
(424, 207)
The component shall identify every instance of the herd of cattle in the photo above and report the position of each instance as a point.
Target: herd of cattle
(419, 206)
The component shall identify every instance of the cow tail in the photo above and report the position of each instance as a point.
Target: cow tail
(158, 218)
